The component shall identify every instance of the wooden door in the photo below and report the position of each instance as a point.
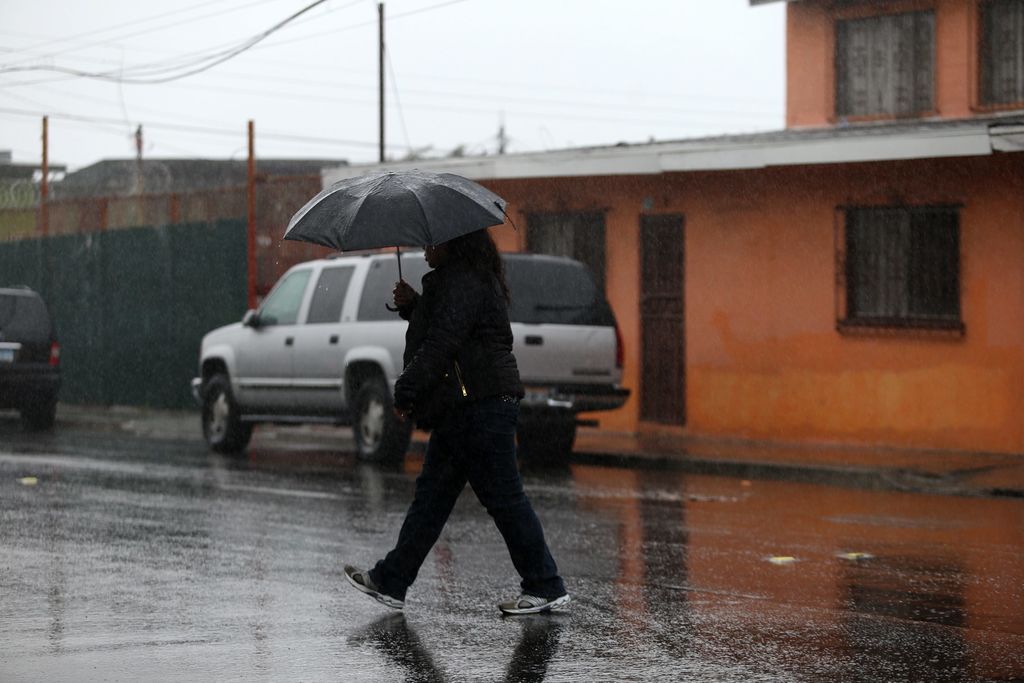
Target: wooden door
(663, 374)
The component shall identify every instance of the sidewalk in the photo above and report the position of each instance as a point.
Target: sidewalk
(926, 471)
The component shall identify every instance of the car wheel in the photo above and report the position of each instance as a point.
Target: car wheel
(223, 428)
(546, 439)
(380, 436)
(40, 416)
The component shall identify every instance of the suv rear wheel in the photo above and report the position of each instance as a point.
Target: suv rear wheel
(380, 435)
(223, 428)
(546, 438)
(40, 415)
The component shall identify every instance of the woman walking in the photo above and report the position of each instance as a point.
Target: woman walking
(461, 381)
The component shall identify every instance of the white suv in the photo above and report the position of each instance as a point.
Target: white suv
(324, 347)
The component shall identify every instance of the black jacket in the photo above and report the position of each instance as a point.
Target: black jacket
(458, 337)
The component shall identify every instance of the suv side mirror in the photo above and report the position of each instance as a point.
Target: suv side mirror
(251, 318)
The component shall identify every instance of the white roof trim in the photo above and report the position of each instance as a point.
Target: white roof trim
(719, 154)
(832, 151)
(1008, 138)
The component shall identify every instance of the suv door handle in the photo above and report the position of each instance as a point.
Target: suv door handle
(333, 339)
(534, 340)
(288, 341)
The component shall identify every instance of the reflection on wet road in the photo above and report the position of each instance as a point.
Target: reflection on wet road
(134, 559)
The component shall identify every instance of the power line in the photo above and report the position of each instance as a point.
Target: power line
(107, 42)
(351, 27)
(476, 95)
(687, 118)
(533, 86)
(480, 109)
(211, 60)
(134, 22)
(202, 130)
(499, 99)
(398, 102)
(429, 98)
(185, 61)
(503, 86)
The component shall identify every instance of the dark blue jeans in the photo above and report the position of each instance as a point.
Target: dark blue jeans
(476, 444)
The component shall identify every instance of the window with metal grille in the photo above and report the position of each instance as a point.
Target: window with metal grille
(1002, 52)
(902, 267)
(579, 236)
(885, 65)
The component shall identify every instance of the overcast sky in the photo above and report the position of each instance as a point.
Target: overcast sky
(558, 73)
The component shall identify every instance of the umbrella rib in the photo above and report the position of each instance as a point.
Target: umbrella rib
(378, 182)
(419, 204)
(355, 215)
(426, 222)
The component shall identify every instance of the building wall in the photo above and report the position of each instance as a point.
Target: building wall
(764, 359)
(810, 56)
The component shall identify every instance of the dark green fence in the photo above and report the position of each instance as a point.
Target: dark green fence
(132, 305)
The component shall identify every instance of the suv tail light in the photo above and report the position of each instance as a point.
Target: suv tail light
(619, 352)
(54, 354)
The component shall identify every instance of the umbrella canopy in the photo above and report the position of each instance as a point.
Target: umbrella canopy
(396, 209)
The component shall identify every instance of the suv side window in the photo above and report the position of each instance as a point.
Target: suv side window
(7, 304)
(380, 281)
(329, 295)
(282, 306)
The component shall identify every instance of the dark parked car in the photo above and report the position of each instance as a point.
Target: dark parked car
(29, 357)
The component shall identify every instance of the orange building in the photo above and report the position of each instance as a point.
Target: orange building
(857, 278)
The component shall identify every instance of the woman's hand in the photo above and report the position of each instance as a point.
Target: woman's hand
(403, 294)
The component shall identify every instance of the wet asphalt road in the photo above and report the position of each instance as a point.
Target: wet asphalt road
(127, 558)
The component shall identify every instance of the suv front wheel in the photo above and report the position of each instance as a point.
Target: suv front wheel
(223, 428)
(380, 435)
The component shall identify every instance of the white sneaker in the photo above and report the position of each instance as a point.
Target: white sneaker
(360, 579)
(532, 604)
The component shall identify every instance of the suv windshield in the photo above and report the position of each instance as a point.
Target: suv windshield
(548, 290)
(282, 305)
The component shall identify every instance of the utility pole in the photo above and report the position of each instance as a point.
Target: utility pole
(250, 239)
(380, 21)
(502, 139)
(44, 182)
(140, 176)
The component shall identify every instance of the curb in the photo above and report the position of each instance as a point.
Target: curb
(183, 425)
(886, 479)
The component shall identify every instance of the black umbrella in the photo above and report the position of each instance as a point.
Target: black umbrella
(396, 209)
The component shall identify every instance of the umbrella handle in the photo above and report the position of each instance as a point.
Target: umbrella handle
(398, 253)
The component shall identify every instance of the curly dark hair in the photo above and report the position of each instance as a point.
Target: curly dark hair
(478, 251)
